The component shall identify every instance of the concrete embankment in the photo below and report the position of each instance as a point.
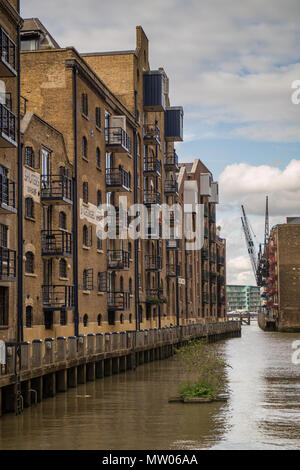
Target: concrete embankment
(55, 365)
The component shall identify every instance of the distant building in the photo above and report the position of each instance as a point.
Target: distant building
(245, 298)
(281, 293)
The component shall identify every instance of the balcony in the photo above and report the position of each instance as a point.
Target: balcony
(205, 298)
(153, 263)
(155, 87)
(8, 134)
(213, 298)
(117, 140)
(204, 252)
(152, 198)
(56, 243)
(118, 259)
(118, 301)
(153, 295)
(7, 56)
(213, 258)
(152, 166)
(56, 189)
(213, 275)
(174, 124)
(8, 264)
(173, 270)
(171, 187)
(155, 232)
(151, 134)
(7, 195)
(117, 179)
(171, 161)
(205, 276)
(172, 244)
(58, 297)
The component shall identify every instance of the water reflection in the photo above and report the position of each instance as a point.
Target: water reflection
(131, 411)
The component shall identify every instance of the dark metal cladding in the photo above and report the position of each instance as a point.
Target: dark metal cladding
(174, 124)
(154, 98)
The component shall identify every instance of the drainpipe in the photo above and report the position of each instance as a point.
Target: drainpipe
(75, 206)
(136, 242)
(177, 290)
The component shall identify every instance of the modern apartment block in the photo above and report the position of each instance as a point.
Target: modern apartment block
(10, 22)
(281, 297)
(245, 298)
(99, 128)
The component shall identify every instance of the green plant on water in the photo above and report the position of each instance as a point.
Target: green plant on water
(203, 362)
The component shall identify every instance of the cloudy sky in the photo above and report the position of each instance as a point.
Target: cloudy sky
(231, 65)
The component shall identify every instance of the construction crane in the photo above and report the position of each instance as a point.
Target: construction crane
(250, 243)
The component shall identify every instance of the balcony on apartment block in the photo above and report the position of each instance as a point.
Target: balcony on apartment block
(56, 243)
(118, 301)
(152, 166)
(7, 195)
(117, 140)
(153, 263)
(171, 161)
(57, 189)
(151, 134)
(8, 134)
(8, 264)
(58, 297)
(152, 198)
(117, 179)
(173, 270)
(8, 61)
(118, 259)
(171, 187)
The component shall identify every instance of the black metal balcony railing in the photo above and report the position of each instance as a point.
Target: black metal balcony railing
(153, 263)
(7, 194)
(117, 139)
(171, 160)
(8, 264)
(117, 178)
(118, 300)
(56, 243)
(118, 259)
(173, 270)
(204, 252)
(213, 275)
(221, 280)
(171, 187)
(57, 189)
(151, 197)
(151, 134)
(213, 258)
(153, 294)
(8, 55)
(152, 165)
(205, 297)
(7, 127)
(213, 298)
(57, 297)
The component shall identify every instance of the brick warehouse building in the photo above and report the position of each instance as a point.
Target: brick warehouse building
(98, 127)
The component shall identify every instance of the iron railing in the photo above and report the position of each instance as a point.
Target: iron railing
(8, 51)
(173, 270)
(152, 165)
(118, 138)
(58, 297)
(153, 263)
(8, 264)
(8, 124)
(171, 187)
(56, 243)
(7, 193)
(171, 159)
(118, 300)
(151, 134)
(56, 188)
(152, 197)
(117, 178)
(118, 259)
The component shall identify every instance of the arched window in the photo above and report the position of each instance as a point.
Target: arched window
(85, 236)
(62, 220)
(121, 318)
(84, 147)
(29, 262)
(99, 319)
(85, 320)
(62, 171)
(29, 208)
(63, 268)
(85, 192)
(28, 317)
(98, 158)
(130, 318)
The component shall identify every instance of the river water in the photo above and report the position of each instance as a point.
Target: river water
(131, 411)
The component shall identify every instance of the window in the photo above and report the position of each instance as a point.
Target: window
(84, 147)
(63, 268)
(29, 157)
(85, 104)
(48, 319)
(62, 220)
(88, 279)
(85, 320)
(63, 317)
(99, 319)
(3, 235)
(4, 296)
(98, 158)
(130, 286)
(87, 236)
(29, 208)
(28, 317)
(102, 282)
(99, 197)
(141, 314)
(98, 117)
(130, 318)
(85, 192)
(29, 262)
(121, 318)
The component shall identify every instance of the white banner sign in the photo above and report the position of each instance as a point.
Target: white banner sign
(32, 184)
